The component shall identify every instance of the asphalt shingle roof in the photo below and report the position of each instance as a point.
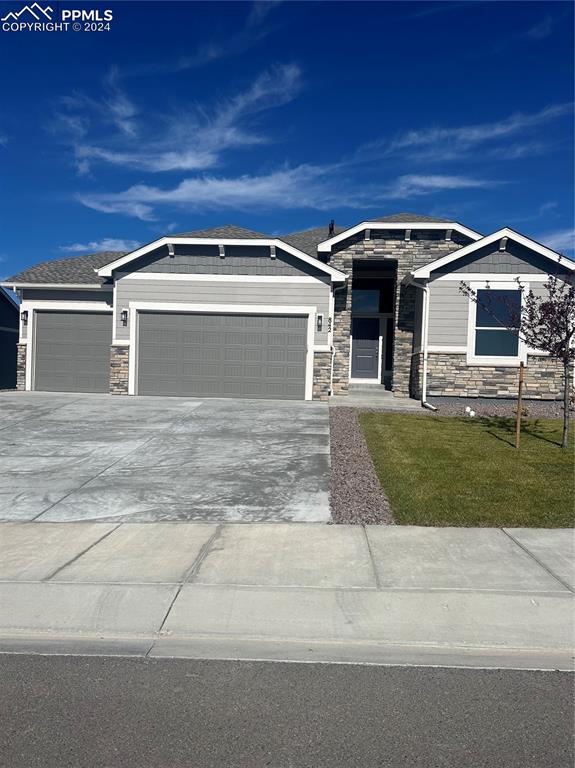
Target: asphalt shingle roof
(415, 217)
(80, 269)
(75, 269)
(308, 240)
(227, 231)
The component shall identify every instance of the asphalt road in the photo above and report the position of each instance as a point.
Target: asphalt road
(82, 712)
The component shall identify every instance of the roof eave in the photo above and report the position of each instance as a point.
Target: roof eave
(108, 269)
(326, 245)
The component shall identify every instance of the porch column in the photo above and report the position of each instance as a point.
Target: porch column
(403, 340)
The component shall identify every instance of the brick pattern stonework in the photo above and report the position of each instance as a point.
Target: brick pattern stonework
(119, 358)
(321, 375)
(450, 376)
(409, 255)
(21, 366)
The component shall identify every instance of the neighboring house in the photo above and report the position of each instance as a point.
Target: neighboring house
(9, 318)
(227, 312)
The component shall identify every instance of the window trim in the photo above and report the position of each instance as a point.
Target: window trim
(479, 360)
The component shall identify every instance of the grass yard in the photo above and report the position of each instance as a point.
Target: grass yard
(466, 472)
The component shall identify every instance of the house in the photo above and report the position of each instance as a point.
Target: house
(228, 312)
(9, 318)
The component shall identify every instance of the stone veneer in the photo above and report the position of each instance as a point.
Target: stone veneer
(21, 366)
(321, 375)
(449, 376)
(423, 248)
(119, 358)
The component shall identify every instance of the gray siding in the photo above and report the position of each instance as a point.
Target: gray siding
(208, 292)
(448, 315)
(238, 260)
(515, 259)
(57, 294)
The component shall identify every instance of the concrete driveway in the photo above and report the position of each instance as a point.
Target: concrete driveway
(69, 457)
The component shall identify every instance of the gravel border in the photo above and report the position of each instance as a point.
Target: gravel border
(356, 495)
(488, 406)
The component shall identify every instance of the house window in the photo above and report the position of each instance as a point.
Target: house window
(365, 300)
(497, 323)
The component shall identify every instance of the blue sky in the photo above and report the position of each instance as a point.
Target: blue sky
(281, 116)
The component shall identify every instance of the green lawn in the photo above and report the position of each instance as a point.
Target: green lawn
(466, 472)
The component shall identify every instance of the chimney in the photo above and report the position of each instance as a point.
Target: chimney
(331, 227)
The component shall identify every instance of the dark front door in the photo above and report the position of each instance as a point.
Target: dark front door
(365, 348)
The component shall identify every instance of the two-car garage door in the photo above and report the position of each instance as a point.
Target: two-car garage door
(222, 355)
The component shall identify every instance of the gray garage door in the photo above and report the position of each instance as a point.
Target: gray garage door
(72, 351)
(210, 355)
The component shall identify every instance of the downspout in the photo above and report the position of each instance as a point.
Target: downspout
(424, 335)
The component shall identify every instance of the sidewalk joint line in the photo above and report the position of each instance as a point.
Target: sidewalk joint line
(372, 561)
(536, 559)
(81, 554)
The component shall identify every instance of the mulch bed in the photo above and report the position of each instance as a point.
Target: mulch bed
(356, 495)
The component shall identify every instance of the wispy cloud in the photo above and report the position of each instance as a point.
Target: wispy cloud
(415, 185)
(191, 140)
(106, 244)
(449, 143)
(562, 240)
(539, 31)
(433, 9)
(305, 186)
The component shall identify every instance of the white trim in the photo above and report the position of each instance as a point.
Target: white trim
(177, 276)
(509, 277)
(72, 306)
(455, 350)
(64, 286)
(108, 269)
(322, 348)
(479, 360)
(425, 271)
(120, 343)
(225, 309)
(33, 307)
(326, 245)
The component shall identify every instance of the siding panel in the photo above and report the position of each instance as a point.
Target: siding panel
(206, 292)
(448, 314)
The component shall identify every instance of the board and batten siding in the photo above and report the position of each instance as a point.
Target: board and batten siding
(48, 295)
(282, 293)
(448, 315)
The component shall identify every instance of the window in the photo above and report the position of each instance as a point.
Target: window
(496, 325)
(363, 300)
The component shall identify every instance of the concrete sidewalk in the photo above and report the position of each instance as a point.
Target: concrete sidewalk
(479, 597)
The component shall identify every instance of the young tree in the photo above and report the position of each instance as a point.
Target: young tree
(543, 322)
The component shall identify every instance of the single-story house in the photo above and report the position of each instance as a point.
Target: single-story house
(9, 319)
(227, 312)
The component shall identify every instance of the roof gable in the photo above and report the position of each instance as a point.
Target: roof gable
(476, 247)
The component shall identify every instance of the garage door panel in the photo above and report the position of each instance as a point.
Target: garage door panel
(222, 355)
(72, 351)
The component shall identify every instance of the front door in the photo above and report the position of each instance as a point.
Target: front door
(365, 348)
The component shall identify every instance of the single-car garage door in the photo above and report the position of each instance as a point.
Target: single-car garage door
(72, 351)
(217, 355)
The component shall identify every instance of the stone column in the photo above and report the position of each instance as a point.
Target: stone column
(321, 375)
(341, 334)
(403, 340)
(119, 359)
(21, 354)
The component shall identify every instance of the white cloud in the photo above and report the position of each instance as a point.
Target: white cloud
(415, 185)
(440, 143)
(541, 30)
(305, 186)
(106, 244)
(562, 240)
(192, 139)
